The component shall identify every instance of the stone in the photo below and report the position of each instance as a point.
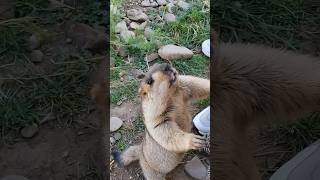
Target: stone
(112, 140)
(127, 20)
(170, 6)
(86, 37)
(162, 2)
(196, 169)
(183, 5)
(149, 3)
(151, 57)
(14, 177)
(68, 40)
(169, 17)
(148, 32)
(137, 73)
(29, 131)
(36, 56)
(34, 42)
(121, 26)
(137, 15)
(65, 154)
(6, 9)
(122, 51)
(138, 26)
(115, 123)
(172, 52)
(117, 136)
(126, 35)
(145, 3)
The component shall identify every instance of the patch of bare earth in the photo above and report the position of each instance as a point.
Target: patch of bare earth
(56, 153)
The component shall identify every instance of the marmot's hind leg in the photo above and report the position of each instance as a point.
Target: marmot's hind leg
(149, 173)
(129, 155)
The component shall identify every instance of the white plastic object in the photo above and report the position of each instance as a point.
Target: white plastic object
(202, 121)
(206, 47)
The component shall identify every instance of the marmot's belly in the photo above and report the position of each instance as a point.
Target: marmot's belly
(158, 157)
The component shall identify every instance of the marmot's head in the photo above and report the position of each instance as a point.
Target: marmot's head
(159, 82)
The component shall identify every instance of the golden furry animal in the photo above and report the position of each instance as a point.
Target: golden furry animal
(166, 101)
(256, 84)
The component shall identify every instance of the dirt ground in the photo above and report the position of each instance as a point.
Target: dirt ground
(55, 153)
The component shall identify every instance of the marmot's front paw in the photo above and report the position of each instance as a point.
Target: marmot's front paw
(196, 142)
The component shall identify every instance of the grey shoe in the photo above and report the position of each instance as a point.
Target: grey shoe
(304, 166)
(198, 169)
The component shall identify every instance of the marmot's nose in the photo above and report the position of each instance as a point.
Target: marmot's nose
(168, 68)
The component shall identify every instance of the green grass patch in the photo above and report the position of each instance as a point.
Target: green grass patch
(300, 134)
(28, 93)
(64, 92)
(124, 91)
(271, 22)
(190, 30)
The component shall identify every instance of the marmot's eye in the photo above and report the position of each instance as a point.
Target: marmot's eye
(150, 81)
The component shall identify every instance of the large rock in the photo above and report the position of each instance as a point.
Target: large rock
(126, 35)
(137, 15)
(169, 17)
(170, 6)
(149, 3)
(115, 123)
(172, 52)
(134, 25)
(151, 57)
(196, 169)
(161, 2)
(137, 73)
(86, 37)
(183, 5)
(121, 26)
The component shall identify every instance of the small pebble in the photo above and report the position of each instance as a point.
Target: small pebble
(30, 131)
(151, 57)
(68, 40)
(169, 17)
(112, 140)
(115, 123)
(36, 56)
(117, 136)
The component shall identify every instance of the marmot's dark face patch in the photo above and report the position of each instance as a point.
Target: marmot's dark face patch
(161, 78)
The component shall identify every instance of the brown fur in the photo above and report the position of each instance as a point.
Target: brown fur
(168, 121)
(256, 84)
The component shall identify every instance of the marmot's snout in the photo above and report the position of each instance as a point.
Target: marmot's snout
(170, 71)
